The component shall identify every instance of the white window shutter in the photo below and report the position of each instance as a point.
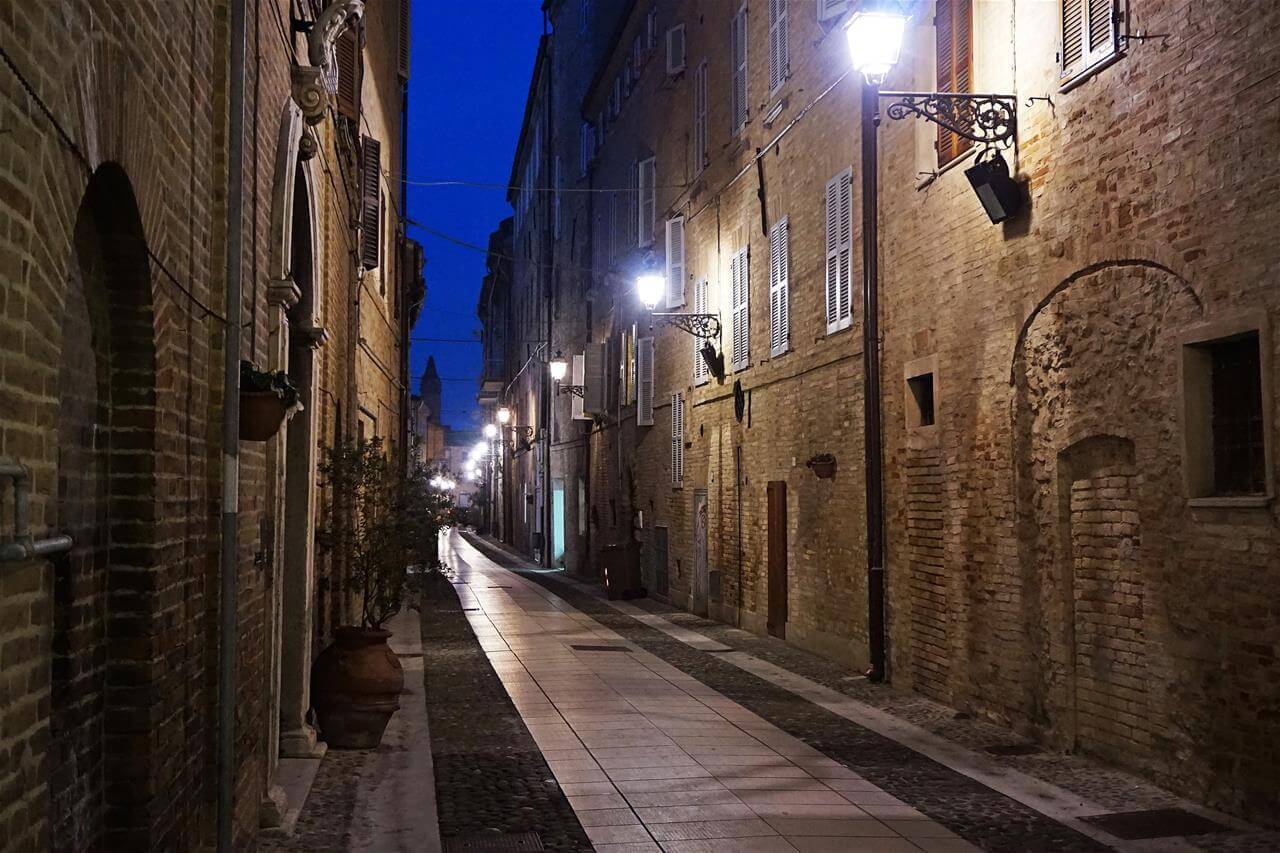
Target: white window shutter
(644, 382)
(647, 207)
(701, 305)
(675, 262)
(830, 10)
(779, 51)
(700, 147)
(677, 440)
(675, 50)
(577, 376)
(1090, 34)
(779, 285)
(595, 380)
(839, 234)
(738, 60)
(739, 276)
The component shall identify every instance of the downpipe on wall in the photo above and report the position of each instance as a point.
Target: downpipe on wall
(227, 597)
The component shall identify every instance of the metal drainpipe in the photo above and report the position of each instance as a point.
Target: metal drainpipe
(23, 547)
(228, 604)
(871, 382)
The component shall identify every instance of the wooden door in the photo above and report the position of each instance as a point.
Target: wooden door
(777, 492)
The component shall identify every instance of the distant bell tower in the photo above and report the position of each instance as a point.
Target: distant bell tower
(429, 391)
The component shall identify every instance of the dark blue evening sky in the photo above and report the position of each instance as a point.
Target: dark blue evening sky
(470, 73)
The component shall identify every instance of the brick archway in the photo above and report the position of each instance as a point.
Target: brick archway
(103, 592)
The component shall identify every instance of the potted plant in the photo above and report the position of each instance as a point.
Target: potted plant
(380, 519)
(266, 399)
(823, 465)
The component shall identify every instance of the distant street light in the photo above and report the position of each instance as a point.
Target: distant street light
(558, 366)
(490, 431)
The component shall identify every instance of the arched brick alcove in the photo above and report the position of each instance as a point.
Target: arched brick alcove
(103, 591)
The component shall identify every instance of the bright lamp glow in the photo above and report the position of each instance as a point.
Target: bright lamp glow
(504, 415)
(479, 450)
(559, 367)
(875, 39)
(490, 431)
(649, 287)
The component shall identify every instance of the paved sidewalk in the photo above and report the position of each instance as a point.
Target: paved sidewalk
(920, 752)
(653, 759)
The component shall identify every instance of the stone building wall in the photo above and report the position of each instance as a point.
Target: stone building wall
(1053, 561)
(110, 377)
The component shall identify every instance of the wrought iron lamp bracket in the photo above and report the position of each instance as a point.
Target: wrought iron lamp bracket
(987, 119)
(575, 390)
(699, 325)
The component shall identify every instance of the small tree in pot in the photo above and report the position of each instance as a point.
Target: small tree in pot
(375, 528)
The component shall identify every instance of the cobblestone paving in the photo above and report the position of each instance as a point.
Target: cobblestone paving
(326, 818)
(977, 813)
(491, 778)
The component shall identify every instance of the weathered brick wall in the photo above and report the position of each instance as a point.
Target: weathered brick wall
(1131, 627)
(110, 392)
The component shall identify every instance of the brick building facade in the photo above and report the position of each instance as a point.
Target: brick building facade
(1079, 408)
(115, 165)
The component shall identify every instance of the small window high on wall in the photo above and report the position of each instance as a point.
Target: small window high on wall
(1225, 415)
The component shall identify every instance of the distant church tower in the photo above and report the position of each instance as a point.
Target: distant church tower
(429, 392)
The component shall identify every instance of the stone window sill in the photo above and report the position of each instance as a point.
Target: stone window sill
(1224, 502)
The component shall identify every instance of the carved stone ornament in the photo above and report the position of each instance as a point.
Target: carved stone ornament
(311, 336)
(309, 93)
(283, 293)
(308, 145)
(324, 33)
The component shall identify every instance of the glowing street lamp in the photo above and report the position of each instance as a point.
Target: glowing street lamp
(558, 366)
(649, 286)
(875, 40)
(490, 431)
(504, 415)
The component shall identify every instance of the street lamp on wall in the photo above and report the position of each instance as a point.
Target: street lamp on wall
(504, 415)
(650, 287)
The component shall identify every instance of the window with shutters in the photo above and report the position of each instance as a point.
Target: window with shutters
(675, 262)
(779, 286)
(647, 206)
(651, 30)
(701, 305)
(675, 50)
(577, 377)
(637, 57)
(832, 10)
(953, 28)
(594, 396)
(555, 197)
(740, 291)
(587, 148)
(370, 202)
(701, 152)
(644, 381)
(738, 64)
(404, 40)
(1090, 37)
(779, 52)
(677, 440)
(839, 250)
(346, 51)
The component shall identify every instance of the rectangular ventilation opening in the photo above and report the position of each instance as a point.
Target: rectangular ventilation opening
(1154, 823)
(921, 387)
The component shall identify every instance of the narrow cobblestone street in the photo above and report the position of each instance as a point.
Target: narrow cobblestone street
(665, 738)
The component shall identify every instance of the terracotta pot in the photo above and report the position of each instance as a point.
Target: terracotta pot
(261, 413)
(355, 687)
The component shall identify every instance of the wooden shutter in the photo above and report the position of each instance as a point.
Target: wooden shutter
(700, 153)
(1090, 34)
(647, 206)
(675, 262)
(953, 25)
(578, 378)
(644, 382)
(738, 59)
(594, 384)
(779, 52)
(839, 250)
(675, 49)
(829, 10)
(701, 305)
(740, 287)
(347, 54)
(677, 440)
(404, 40)
(370, 202)
(779, 274)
